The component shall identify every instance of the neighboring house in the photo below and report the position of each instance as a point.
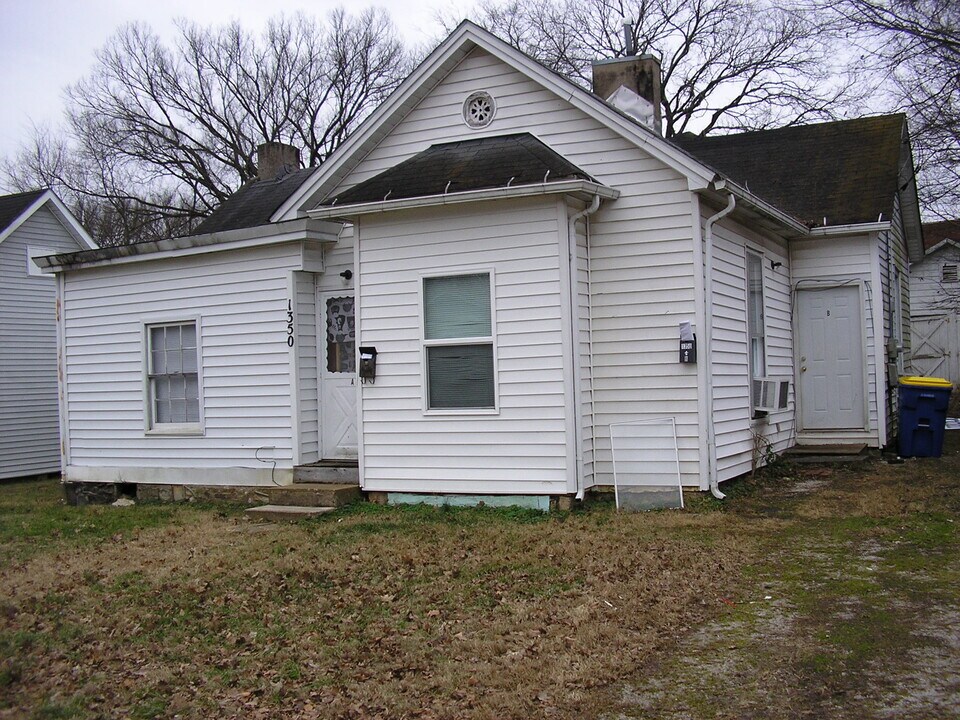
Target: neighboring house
(521, 255)
(32, 224)
(935, 303)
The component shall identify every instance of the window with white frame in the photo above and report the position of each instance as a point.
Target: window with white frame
(458, 342)
(173, 375)
(755, 317)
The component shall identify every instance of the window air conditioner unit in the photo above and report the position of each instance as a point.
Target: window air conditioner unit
(770, 394)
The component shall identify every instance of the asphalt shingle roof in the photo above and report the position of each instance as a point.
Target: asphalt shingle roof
(846, 171)
(12, 206)
(480, 164)
(253, 204)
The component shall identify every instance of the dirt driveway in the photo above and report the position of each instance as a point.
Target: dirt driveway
(851, 611)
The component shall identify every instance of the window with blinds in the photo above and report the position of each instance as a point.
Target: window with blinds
(458, 342)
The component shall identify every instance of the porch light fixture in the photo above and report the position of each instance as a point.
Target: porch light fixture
(346, 274)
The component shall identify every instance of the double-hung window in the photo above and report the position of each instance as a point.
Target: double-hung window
(173, 377)
(755, 319)
(458, 342)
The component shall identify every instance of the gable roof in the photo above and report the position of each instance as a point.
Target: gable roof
(463, 166)
(253, 204)
(16, 209)
(11, 206)
(464, 39)
(835, 173)
(936, 232)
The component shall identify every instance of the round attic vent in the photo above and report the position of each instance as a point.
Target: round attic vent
(479, 109)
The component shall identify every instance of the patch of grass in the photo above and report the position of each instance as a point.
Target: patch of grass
(55, 710)
(152, 705)
(34, 518)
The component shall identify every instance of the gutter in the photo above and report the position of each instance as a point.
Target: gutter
(565, 187)
(852, 229)
(302, 229)
(708, 332)
(574, 344)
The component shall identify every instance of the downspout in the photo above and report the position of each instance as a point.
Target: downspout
(572, 270)
(708, 336)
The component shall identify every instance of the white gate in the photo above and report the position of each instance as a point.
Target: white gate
(936, 346)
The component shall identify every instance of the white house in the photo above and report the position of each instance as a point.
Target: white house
(32, 224)
(935, 303)
(521, 255)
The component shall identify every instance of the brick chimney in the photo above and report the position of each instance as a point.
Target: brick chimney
(640, 74)
(276, 159)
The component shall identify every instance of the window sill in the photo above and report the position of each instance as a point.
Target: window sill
(462, 411)
(175, 429)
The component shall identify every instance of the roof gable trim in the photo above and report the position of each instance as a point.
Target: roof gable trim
(61, 212)
(450, 52)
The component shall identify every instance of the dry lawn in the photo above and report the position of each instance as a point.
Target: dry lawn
(193, 612)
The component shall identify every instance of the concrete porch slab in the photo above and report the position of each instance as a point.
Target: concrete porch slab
(288, 513)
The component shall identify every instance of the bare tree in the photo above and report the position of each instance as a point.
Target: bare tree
(727, 64)
(158, 136)
(917, 43)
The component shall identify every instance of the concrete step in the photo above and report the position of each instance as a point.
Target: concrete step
(286, 513)
(847, 449)
(827, 454)
(327, 472)
(314, 494)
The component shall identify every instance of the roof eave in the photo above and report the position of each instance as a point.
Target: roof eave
(580, 188)
(850, 229)
(946, 242)
(789, 225)
(274, 233)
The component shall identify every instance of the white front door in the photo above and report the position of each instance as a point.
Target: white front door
(338, 375)
(830, 342)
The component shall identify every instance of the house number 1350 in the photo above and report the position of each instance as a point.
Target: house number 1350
(290, 323)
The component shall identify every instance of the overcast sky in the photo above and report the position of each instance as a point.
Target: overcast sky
(46, 45)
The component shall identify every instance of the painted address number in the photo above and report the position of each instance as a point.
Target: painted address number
(290, 340)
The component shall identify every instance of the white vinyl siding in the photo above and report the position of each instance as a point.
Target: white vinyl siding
(894, 279)
(522, 448)
(586, 359)
(929, 295)
(739, 436)
(641, 244)
(29, 415)
(242, 297)
(307, 366)
(822, 261)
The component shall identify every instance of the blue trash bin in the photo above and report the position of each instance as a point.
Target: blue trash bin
(923, 415)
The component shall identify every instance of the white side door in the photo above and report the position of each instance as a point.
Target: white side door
(336, 346)
(830, 341)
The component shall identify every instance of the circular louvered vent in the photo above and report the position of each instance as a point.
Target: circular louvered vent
(479, 109)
